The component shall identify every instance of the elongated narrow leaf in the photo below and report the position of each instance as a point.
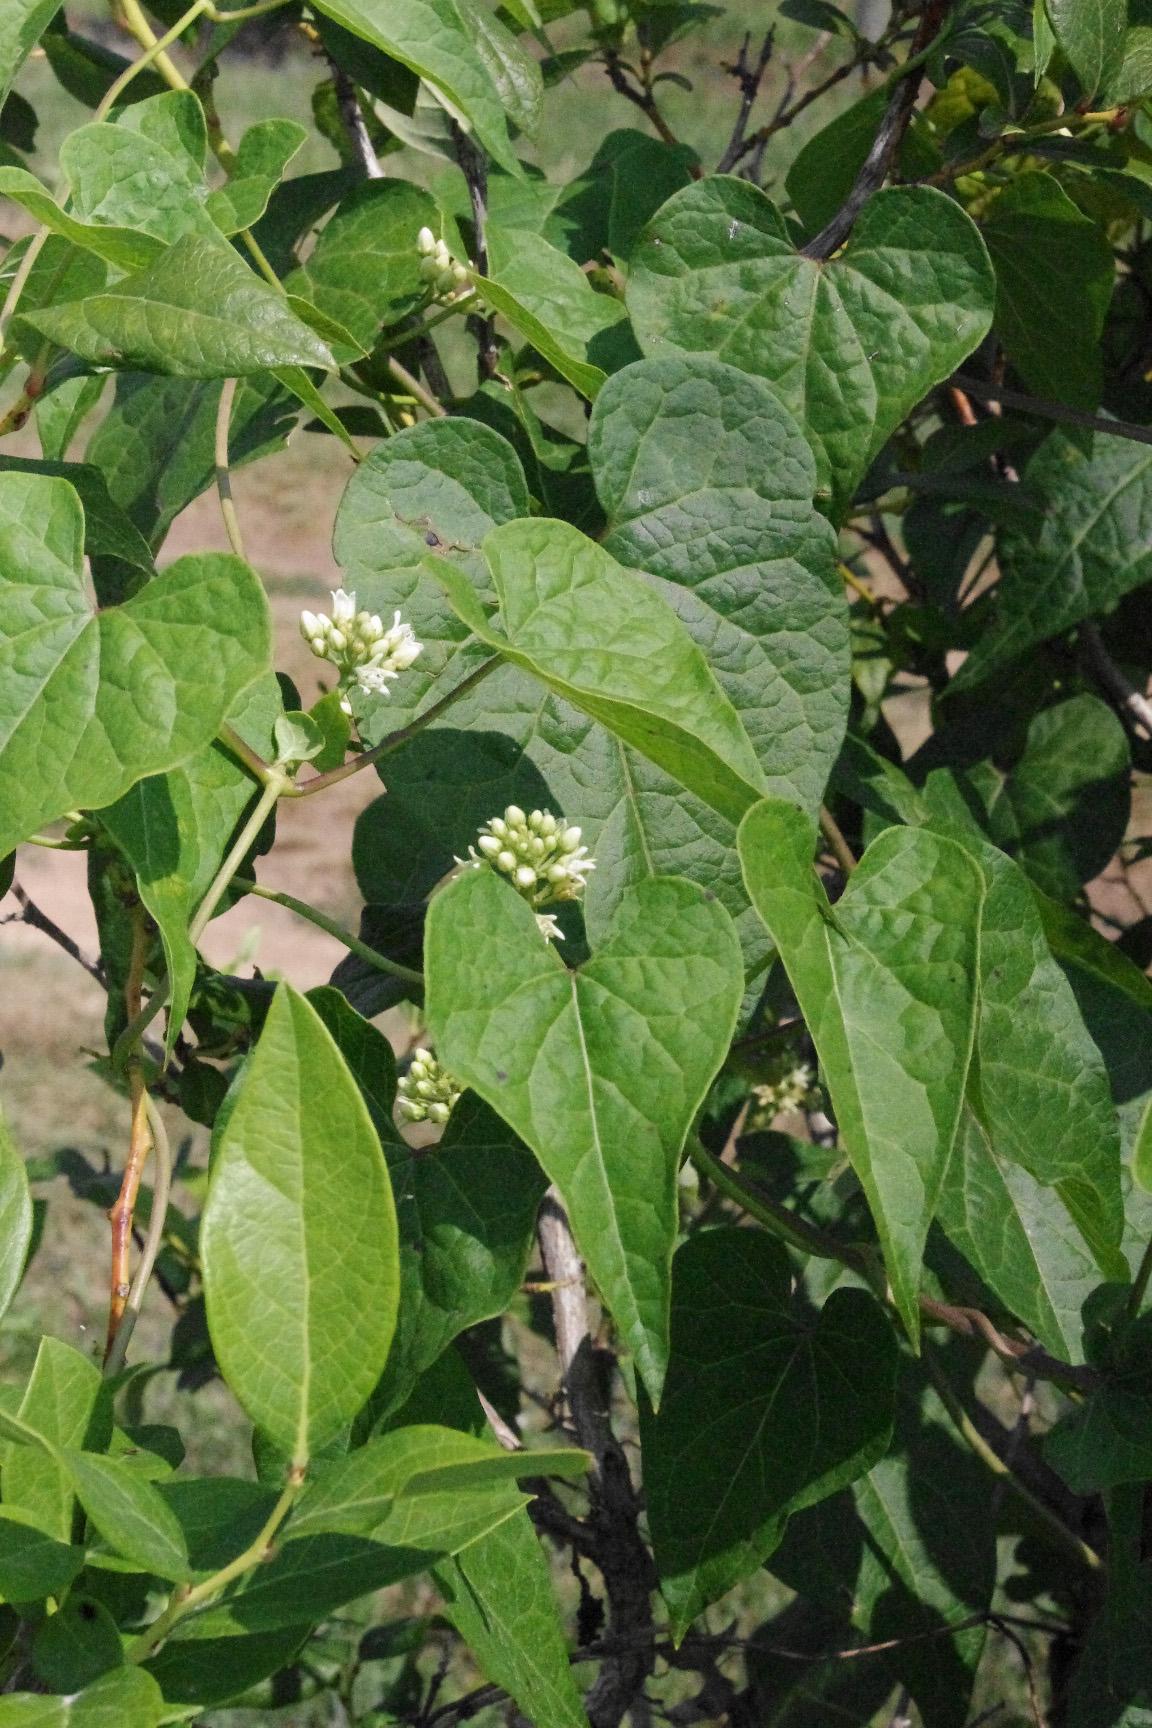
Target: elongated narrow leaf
(197, 312)
(766, 1410)
(61, 1408)
(125, 1698)
(1091, 33)
(33, 1565)
(850, 345)
(466, 1209)
(500, 1598)
(887, 983)
(15, 1218)
(358, 1494)
(601, 1070)
(298, 1240)
(130, 1515)
(609, 643)
(92, 702)
(22, 23)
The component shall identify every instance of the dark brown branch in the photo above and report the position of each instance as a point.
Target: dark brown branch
(640, 98)
(749, 78)
(1056, 411)
(31, 915)
(613, 1528)
(355, 125)
(474, 167)
(886, 145)
(1133, 704)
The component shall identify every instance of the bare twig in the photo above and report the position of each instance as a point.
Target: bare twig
(31, 915)
(139, 1144)
(1132, 702)
(153, 1240)
(838, 845)
(613, 1521)
(875, 168)
(748, 77)
(474, 167)
(639, 98)
(352, 117)
(1058, 412)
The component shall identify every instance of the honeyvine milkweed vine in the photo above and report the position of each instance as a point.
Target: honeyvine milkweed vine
(690, 1262)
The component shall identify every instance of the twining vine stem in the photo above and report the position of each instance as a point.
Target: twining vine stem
(332, 928)
(139, 1144)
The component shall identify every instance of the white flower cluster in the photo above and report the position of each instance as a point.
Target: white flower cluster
(790, 1090)
(365, 653)
(540, 854)
(444, 274)
(426, 1093)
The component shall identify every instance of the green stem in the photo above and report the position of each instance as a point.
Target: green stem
(223, 472)
(185, 1602)
(394, 740)
(464, 303)
(1140, 1283)
(332, 928)
(161, 1190)
(273, 789)
(797, 1232)
(258, 11)
(115, 90)
(988, 1456)
(251, 759)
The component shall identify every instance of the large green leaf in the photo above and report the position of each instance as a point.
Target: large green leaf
(146, 173)
(298, 1240)
(117, 551)
(22, 23)
(499, 1596)
(431, 38)
(1094, 544)
(465, 1207)
(601, 1070)
(125, 1698)
(125, 247)
(767, 1409)
(15, 1218)
(92, 702)
(60, 1409)
(365, 267)
(262, 156)
(887, 983)
(707, 482)
(606, 641)
(850, 345)
(197, 312)
(1091, 33)
(1054, 279)
(907, 1552)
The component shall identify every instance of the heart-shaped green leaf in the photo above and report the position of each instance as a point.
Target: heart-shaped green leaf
(851, 344)
(197, 312)
(91, 702)
(707, 482)
(298, 1239)
(600, 1070)
(766, 1410)
(887, 983)
(607, 641)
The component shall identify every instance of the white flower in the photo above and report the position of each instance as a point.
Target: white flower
(444, 274)
(427, 1092)
(549, 928)
(365, 653)
(541, 856)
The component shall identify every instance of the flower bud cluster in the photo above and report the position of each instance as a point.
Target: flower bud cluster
(539, 853)
(426, 1093)
(789, 1089)
(365, 653)
(444, 274)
